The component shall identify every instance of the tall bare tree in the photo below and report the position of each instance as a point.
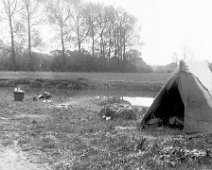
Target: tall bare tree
(10, 8)
(124, 27)
(127, 31)
(30, 8)
(102, 27)
(92, 15)
(108, 36)
(59, 15)
(79, 21)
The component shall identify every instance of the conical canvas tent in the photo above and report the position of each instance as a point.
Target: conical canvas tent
(188, 95)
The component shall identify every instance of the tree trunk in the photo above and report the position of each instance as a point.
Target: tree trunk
(79, 46)
(110, 44)
(102, 46)
(12, 44)
(109, 53)
(120, 45)
(103, 49)
(78, 39)
(93, 44)
(124, 51)
(63, 47)
(115, 46)
(93, 39)
(29, 43)
(118, 48)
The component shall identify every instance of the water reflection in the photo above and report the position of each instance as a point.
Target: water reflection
(141, 101)
(141, 98)
(95, 93)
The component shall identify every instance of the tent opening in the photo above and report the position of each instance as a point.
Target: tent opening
(171, 108)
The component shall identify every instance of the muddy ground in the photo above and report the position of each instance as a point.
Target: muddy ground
(60, 136)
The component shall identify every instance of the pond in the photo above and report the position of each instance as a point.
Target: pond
(142, 98)
(140, 101)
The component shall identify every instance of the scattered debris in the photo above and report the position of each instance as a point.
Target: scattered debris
(44, 95)
(118, 110)
(154, 122)
(18, 90)
(47, 101)
(63, 105)
(175, 121)
(107, 118)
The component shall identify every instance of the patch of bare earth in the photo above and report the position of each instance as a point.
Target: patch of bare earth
(14, 159)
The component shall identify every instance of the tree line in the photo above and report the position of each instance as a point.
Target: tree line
(91, 37)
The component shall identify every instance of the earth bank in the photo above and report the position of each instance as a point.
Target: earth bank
(81, 83)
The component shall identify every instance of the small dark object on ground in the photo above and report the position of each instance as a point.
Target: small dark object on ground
(34, 99)
(34, 122)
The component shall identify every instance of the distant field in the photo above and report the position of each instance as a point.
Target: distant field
(107, 77)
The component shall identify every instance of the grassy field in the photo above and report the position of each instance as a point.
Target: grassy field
(106, 77)
(77, 138)
(41, 136)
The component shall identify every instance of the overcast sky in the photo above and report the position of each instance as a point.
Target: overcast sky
(170, 25)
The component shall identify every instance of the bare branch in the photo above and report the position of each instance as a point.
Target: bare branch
(14, 9)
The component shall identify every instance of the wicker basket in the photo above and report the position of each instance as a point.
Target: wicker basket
(18, 96)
